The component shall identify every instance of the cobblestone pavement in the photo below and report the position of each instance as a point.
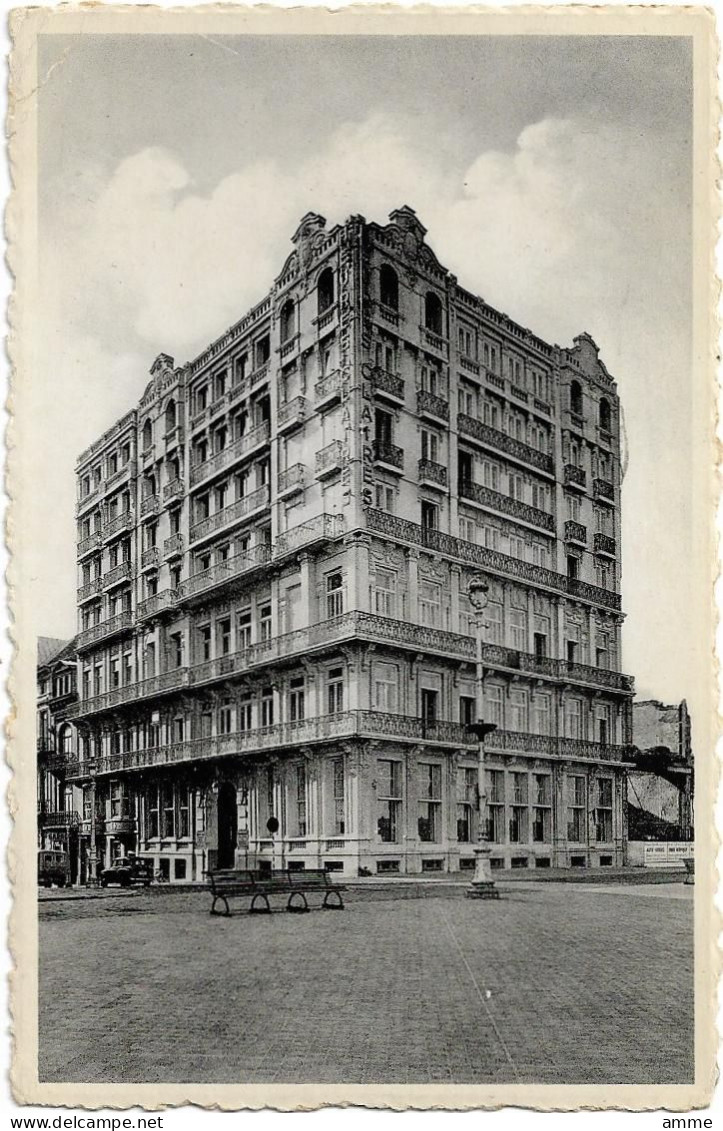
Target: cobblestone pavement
(551, 984)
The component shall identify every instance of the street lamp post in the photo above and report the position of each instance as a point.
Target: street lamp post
(482, 886)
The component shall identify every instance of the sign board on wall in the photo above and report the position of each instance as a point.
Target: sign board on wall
(664, 854)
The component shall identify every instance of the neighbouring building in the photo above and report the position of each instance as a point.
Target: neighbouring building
(660, 787)
(58, 799)
(274, 549)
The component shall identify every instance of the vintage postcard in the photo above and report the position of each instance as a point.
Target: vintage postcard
(362, 479)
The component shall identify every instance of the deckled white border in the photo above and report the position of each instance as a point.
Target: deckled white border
(20, 221)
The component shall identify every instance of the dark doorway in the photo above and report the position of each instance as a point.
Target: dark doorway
(227, 825)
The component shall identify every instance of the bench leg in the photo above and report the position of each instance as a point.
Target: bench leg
(254, 910)
(213, 910)
(290, 906)
(338, 906)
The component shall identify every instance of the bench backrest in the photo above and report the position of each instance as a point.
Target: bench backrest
(310, 877)
(226, 878)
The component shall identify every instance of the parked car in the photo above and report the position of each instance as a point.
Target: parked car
(127, 872)
(53, 868)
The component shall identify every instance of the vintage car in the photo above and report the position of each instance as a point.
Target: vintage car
(127, 872)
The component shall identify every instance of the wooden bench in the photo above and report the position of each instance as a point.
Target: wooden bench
(230, 882)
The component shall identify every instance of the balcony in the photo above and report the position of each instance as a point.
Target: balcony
(433, 341)
(327, 392)
(150, 506)
(387, 384)
(90, 589)
(493, 500)
(410, 533)
(330, 459)
(289, 348)
(489, 437)
(326, 318)
(321, 528)
(151, 558)
(219, 405)
(494, 380)
(240, 565)
(118, 525)
(575, 532)
(542, 406)
(200, 419)
(388, 454)
(604, 544)
(173, 546)
(468, 365)
(87, 545)
(575, 476)
(238, 449)
(156, 603)
(88, 500)
(388, 314)
(260, 374)
(291, 481)
(432, 474)
(242, 509)
(174, 436)
(291, 415)
(552, 746)
(127, 471)
(123, 622)
(119, 573)
(603, 490)
(166, 682)
(173, 490)
(429, 404)
(520, 393)
(577, 421)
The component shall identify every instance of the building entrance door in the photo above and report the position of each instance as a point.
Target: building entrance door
(227, 825)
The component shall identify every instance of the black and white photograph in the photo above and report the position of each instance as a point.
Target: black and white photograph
(361, 533)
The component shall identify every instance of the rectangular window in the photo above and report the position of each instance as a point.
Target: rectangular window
(542, 811)
(245, 713)
(541, 713)
(576, 809)
(224, 636)
(389, 801)
(335, 691)
(495, 785)
(334, 595)
(265, 622)
(168, 811)
(385, 497)
(225, 718)
(430, 516)
(386, 679)
(300, 800)
(518, 709)
(337, 771)
(204, 641)
(429, 817)
(493, 628)
(573, 718)
(430, 445)
(385, 591)
(493, 704)
(243, 630)
(430, 603)
(466, 802)
(153, 823)
(267, 707)
(604, 810)
(518, 629)
(296, 700)
(519, 809)
(184, 823)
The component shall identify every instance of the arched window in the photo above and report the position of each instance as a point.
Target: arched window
(433, 313)
(388, 287)
(325, 290)
(147, 434)
(576, 398)
(287, 320)
(605, 415)
(170, 415)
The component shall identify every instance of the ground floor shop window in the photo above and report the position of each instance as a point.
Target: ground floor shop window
(466, 802)
(429, 822)
(576, 809)
(604, 810)
(337, 768)
(519, 812)
(542, 810)
(389, 800)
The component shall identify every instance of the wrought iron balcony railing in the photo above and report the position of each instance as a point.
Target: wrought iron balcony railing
(388, 384)
(292, 479)
(431, 472)
(240, 448)
(574, 476)
(575, 532)
(359, 723)
(331, 459)
(357, 625)
(173, 545)
(328, 389)
(242, 508)
(111, 627)
(387, 453)
(118, 525)
(151, 505)
(503, 503)
(92, 542)
(457, 548)
(501, 442)
(240, 565)
(291, 414)
(57, 819)
(603, 489)
(119, 573)
(150, 557)
(157, 603)
(90, 589)
(319, 528)
(173, 490)
(604, 544)
(429, 404)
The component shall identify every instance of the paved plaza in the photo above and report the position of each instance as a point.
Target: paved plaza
(552, 984)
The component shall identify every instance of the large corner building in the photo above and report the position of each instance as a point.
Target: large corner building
(274, 550)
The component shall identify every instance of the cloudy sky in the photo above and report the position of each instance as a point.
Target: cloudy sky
(553, 175)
